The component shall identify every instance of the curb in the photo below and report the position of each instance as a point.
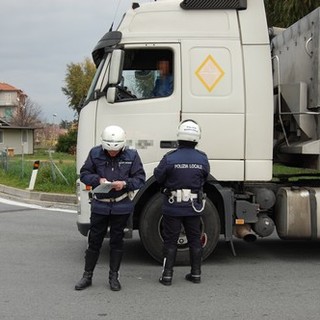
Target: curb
(42, 198)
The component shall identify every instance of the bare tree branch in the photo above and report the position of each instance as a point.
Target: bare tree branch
(27, 114)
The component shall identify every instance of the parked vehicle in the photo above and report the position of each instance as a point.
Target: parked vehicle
(255, 93)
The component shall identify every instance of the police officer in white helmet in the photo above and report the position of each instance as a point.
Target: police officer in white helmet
(181, 174)
(120, 170)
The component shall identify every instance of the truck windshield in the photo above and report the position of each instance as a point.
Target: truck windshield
(146, 74)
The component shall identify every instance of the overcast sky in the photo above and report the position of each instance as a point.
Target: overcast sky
(38, 38)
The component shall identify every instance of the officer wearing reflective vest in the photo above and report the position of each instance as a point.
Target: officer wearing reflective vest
(118, 170)
(182, 174)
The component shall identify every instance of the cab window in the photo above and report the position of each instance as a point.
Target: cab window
(146, 74)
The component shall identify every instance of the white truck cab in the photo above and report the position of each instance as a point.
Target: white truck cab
(221, 70)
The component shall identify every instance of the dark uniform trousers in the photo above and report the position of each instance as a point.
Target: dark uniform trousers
(171, 230)
(99, 227)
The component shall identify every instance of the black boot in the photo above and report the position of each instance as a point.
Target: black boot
(195, 261)
(115, 261)
(91, 259)
(168, 264)
(85, 281)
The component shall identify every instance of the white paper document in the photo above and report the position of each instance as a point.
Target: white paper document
(103, 187)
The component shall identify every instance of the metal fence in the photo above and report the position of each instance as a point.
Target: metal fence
(4, 160)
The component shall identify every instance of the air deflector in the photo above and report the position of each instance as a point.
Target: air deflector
(213, 4)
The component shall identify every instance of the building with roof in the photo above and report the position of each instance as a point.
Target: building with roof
(10, 99)
(13, 139)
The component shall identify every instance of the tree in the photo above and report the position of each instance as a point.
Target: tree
(27, 114)
(286, 12)
(65, 124)
(78, 79)
(67, 142)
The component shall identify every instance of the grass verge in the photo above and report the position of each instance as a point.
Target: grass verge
(56, 174)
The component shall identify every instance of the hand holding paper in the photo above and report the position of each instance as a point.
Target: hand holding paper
(104, 187)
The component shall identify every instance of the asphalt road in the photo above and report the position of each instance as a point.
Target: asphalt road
(41, 259)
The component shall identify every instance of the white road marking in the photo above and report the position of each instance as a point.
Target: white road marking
(34, 206)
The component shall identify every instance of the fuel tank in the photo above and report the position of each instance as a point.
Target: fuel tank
(297, 213)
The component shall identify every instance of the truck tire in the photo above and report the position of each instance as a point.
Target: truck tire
(150, 229)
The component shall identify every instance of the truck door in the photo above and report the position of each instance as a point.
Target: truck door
(149, 115)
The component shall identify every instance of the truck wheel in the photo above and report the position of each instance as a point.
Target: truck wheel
(150, 230)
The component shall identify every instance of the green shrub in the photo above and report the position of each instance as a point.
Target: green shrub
(67, 142)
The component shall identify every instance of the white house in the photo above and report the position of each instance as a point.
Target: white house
(13, 139)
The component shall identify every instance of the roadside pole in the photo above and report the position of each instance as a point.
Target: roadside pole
(33, 178)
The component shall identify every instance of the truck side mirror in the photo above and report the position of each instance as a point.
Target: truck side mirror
(111, 94)
(116, 66)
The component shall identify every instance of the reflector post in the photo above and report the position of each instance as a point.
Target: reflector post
(33, 178)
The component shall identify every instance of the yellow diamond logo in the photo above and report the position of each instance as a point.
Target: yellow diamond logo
(209, 73)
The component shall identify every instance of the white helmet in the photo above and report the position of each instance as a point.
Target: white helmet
(113, 138)
(189, 130)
